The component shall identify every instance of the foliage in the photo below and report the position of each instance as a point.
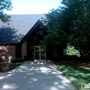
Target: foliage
(5, 5)
(58, 23)
(11, 66)
(14, 65)
(17, 60)
(56, 35)
(53, 38)
(9, 35)
(72, 51)
(70, 23)
(80, 33)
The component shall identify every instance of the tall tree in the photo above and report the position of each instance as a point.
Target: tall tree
(9, 35)
(70, 23)
(58, 23)
(5, 5)
(56, 34)
(80, 37)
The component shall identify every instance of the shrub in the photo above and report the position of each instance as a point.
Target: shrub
(71, 57)
(72, 51)
(18, 60)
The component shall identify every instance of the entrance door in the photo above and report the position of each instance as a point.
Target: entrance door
(39, 52)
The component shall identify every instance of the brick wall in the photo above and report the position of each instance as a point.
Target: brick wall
(7, 50)
(24, 49)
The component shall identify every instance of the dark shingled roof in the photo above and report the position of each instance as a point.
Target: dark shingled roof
(22, 23)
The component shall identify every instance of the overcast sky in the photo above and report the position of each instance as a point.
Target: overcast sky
(33, 6)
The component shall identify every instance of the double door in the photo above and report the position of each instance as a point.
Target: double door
(39, 52)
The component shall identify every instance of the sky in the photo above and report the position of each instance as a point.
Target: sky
(33, 6)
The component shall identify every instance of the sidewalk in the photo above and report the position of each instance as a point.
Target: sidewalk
(35, 76)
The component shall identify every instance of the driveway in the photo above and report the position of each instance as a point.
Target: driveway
(35, 76)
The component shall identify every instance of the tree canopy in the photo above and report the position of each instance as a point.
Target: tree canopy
(5, 5)
(9, 35)
(70, 23)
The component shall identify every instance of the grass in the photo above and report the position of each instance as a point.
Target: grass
(76, 75)
(76, 70)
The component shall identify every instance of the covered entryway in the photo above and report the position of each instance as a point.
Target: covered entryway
(39, 52)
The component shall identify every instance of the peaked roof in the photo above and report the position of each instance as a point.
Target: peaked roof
(38, 23)
(22, 23)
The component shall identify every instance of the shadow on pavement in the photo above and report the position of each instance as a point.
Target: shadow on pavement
(35, 76)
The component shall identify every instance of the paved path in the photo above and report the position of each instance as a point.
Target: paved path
(35, 76)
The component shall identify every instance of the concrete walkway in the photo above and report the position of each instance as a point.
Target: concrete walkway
(35, 76)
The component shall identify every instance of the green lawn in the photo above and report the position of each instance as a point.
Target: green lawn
(76, 75)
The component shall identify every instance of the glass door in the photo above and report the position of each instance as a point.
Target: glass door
(39, 52)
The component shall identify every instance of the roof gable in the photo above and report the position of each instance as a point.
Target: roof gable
(38, 23)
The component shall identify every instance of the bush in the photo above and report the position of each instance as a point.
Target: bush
(70, 57)
(72, 51)
(17, 60)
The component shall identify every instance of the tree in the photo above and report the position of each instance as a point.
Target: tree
(58, 23)
(80, 36)
(56, 34)
(5, 4)
(70, 23)
(9, 35)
